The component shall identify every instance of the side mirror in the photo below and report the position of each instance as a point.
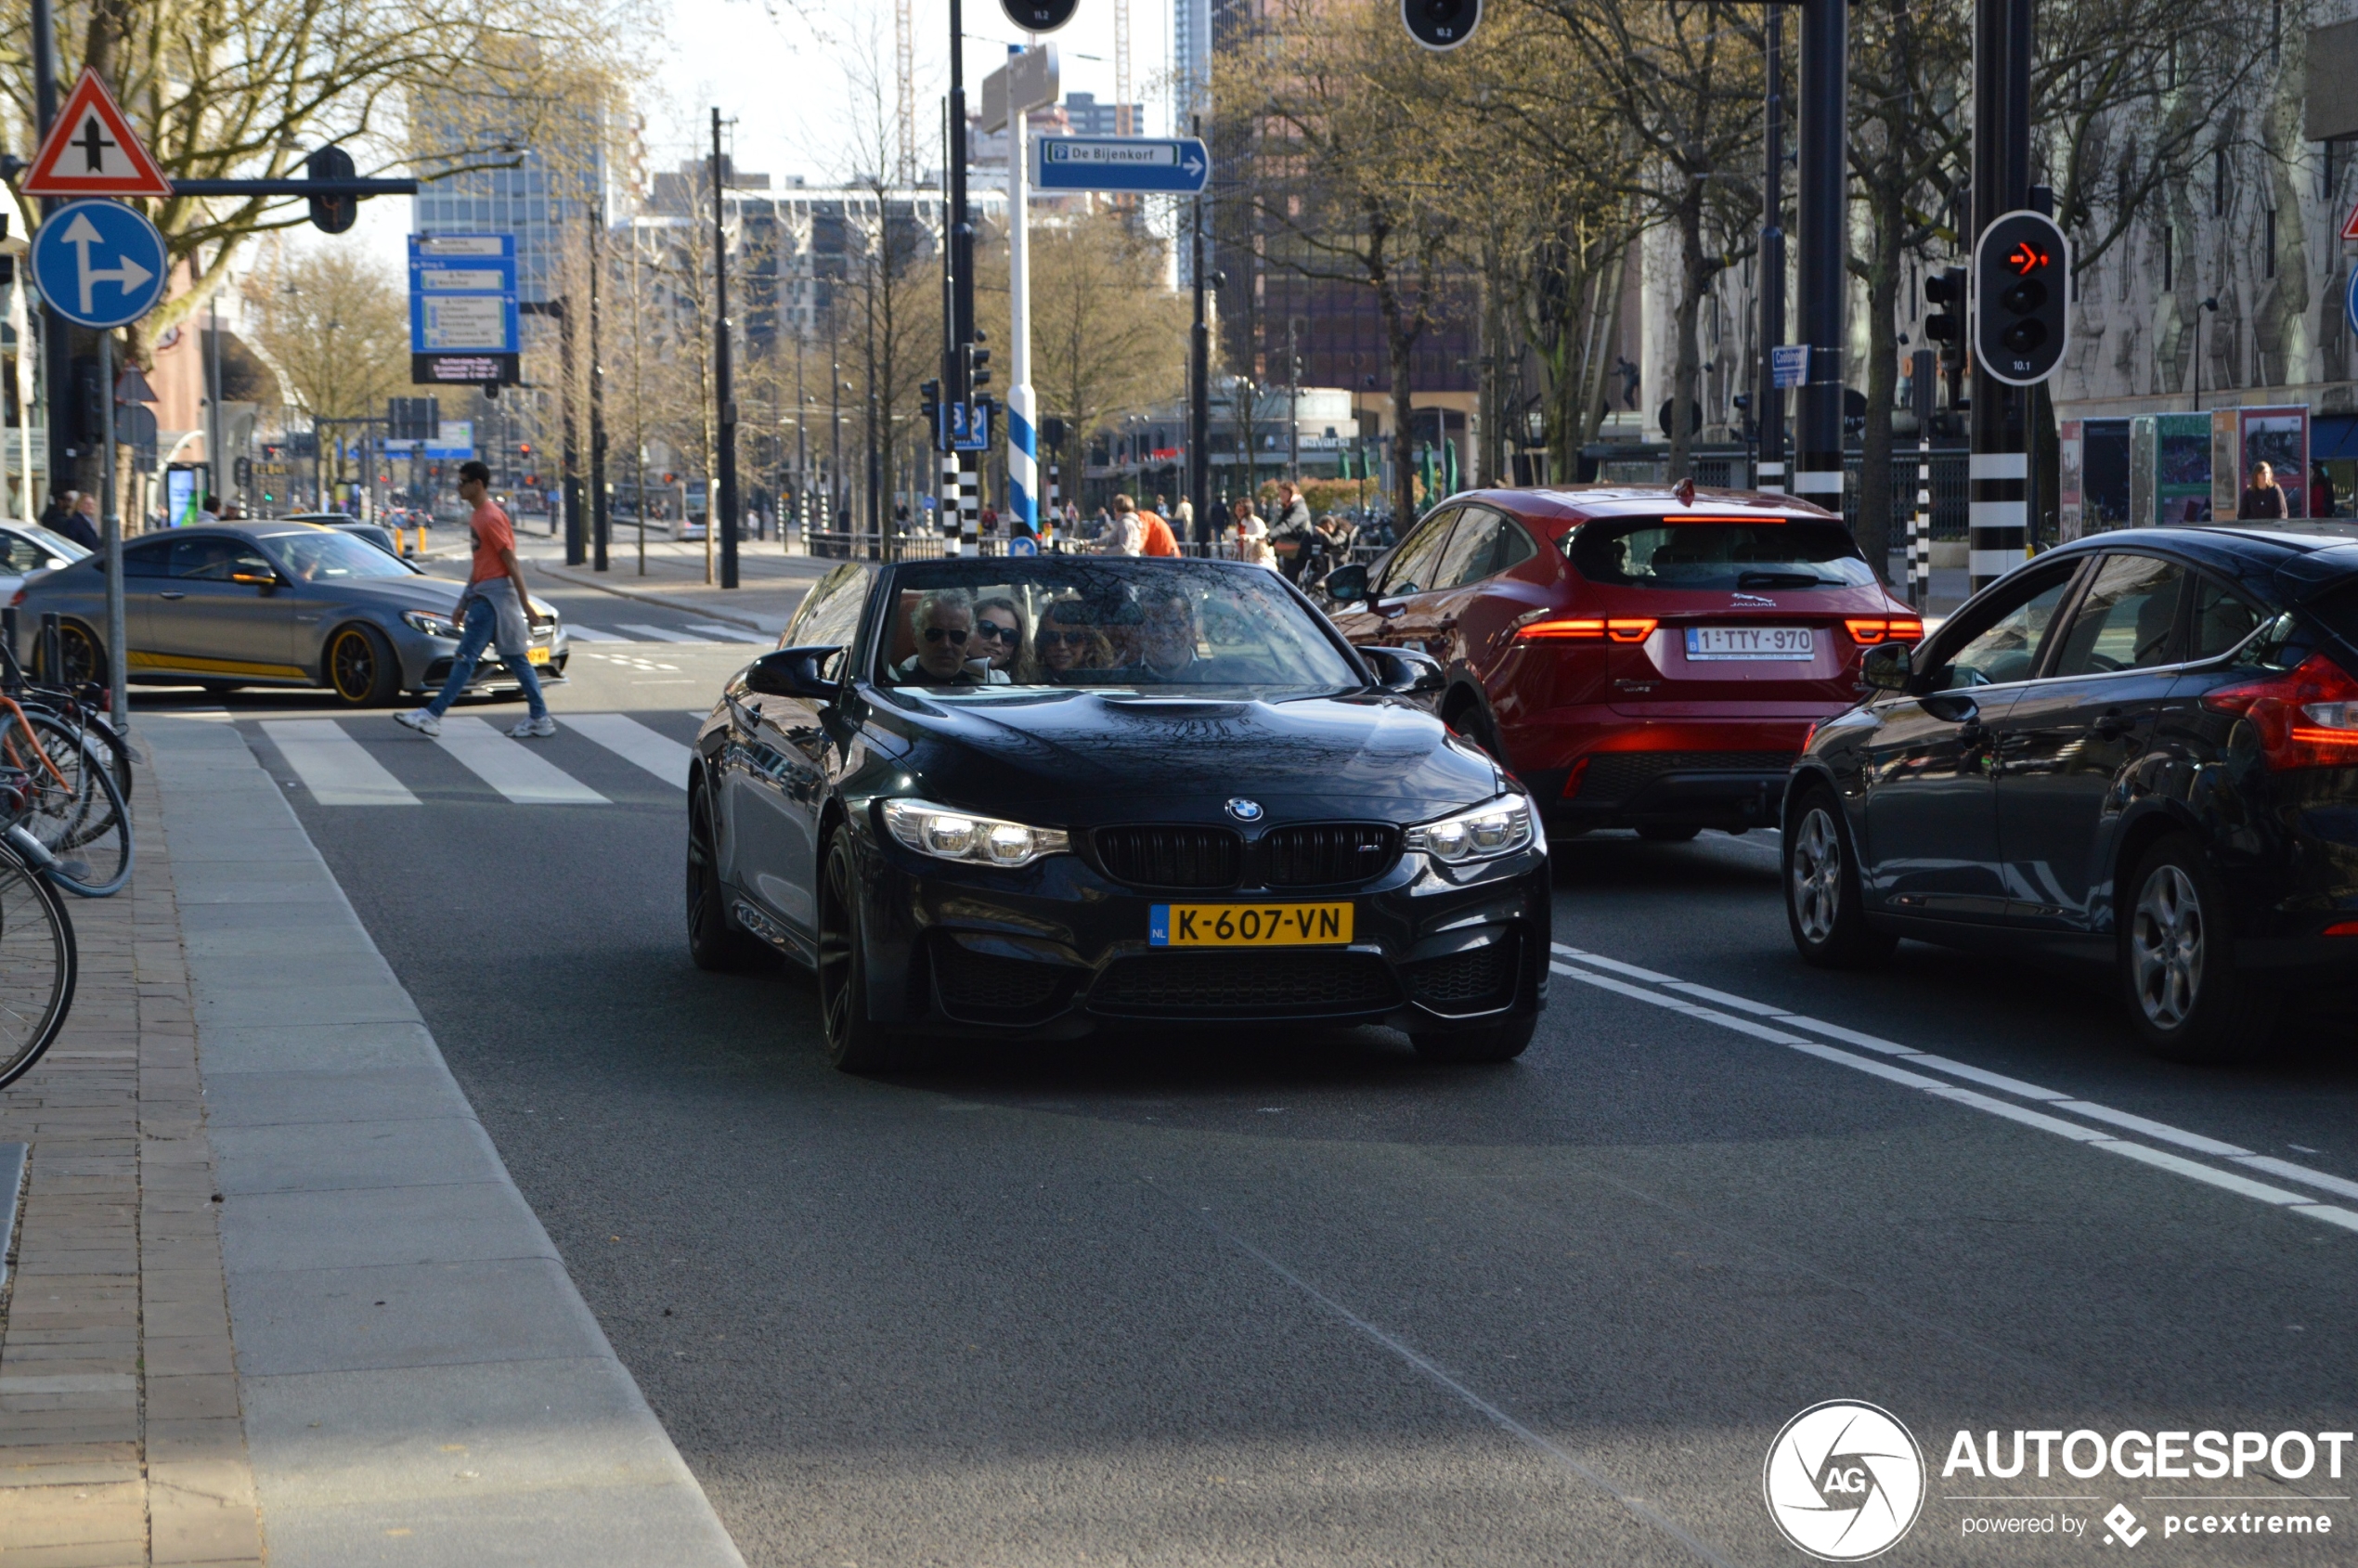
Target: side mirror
(263, 580)
(1347, 584)
(1407, 672)
(792, 672)
(1888, 666)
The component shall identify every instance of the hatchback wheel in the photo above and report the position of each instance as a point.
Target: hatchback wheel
(2187, 1000)
(1824, 903)
(362, 668)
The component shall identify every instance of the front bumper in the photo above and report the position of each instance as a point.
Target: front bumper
(426, 661)
(1056, 951)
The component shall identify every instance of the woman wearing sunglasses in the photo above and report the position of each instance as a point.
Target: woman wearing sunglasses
(1069, 642)
(1000, 640)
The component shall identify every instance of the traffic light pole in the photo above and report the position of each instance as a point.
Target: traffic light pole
(56, 348)
(1771, 397)
(1199, 387)
(955, 387)
(1023, 439)
(720, 510)
(1999, 469)
(598, 520)
(1825, 173)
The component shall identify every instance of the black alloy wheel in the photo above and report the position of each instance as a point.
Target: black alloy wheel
(1825, 904)
(855, 1042)
(79, 651)
(715, 942)
(362, 668)
(2187, 999)
(1500, 1042)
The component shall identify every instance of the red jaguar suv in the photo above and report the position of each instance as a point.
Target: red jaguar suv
(1640, 656)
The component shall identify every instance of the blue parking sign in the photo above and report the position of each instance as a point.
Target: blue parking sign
(98, 264)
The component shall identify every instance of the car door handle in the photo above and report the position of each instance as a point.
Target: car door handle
(172, 595)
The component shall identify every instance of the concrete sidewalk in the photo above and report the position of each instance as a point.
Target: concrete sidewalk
(247, 1138)
(770, 582)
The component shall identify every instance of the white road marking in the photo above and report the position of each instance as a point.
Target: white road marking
(662, 635)
(511, 768)
(336, 768)
(590, 634)
(730, 633)
(633, 742)
(1675, 1001)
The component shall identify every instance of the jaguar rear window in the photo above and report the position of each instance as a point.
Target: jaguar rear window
(1734, 556)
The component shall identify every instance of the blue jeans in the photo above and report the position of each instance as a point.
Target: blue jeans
(482, 623)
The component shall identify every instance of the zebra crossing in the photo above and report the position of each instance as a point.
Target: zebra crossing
(700, 634)
(368, 762)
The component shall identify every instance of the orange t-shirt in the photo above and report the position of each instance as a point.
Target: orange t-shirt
(493, 534)
(1159, 540)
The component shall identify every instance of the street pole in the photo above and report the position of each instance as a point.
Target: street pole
(212, 397)
(1825, 91)
(954, 385)
(1999, 469)
(118, 668)
(1769, 395)
(1293, 405)
(1023, 434)
(57, 347)
(1199, 385)
(721, 510)
(600, 520)
(1921, 382)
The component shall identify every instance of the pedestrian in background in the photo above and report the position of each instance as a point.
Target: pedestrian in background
(1290, 534)
(2264, 499)
(495, 611)
(1251, 536)
(1126, 534)
(1182, 521)
(76, 520)
(1158, 539)
(2321, 492)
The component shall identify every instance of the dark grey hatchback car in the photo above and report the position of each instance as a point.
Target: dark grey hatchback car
(2141, 749)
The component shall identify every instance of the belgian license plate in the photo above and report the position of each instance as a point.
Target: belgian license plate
(1794, 643)
(538, 655)
(1248, 925)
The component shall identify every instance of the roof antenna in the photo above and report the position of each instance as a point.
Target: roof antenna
(1685, 491)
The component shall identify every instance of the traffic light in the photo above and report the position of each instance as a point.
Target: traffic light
(1946, 325)
(1441, 24)
(2022, 317)
(929, 404)
(332, 215)
(977, 366)
(523, 449)
(1039, 15)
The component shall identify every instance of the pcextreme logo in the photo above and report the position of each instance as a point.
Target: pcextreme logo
(1844, 1480)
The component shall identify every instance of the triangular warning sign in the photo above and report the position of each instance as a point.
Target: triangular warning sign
(90, 150)
(2350, 225)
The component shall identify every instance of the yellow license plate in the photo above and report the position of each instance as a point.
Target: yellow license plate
(539, 656)
(1248, 925)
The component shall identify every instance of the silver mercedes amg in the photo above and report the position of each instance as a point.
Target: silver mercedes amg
(277, 604)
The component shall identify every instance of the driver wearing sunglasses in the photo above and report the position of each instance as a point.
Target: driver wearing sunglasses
(942, 625)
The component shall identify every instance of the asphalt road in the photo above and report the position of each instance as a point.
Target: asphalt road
(1297, 1300)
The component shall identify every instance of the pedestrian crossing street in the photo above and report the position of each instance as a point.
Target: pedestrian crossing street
(330, 762)
(694, 633)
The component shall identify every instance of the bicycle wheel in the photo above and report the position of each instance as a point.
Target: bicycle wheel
(84, 826)
(38, 966)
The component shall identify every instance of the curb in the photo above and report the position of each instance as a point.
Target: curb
(566, 576)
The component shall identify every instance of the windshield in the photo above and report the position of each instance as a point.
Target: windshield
(53, 542)
(322, 555)
(1017, 623)
(1746, 556)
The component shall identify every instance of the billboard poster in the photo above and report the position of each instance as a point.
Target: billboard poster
(2069, 467)
(2182, 468)
(2226, 464)
(2278, 438)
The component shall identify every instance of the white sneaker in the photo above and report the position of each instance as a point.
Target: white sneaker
(539, 729)
(421, 719)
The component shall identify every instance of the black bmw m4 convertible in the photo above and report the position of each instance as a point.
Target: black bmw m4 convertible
(1032, 797)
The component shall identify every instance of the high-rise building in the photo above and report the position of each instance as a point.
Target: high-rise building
(1190, 62)
(555, 189)
(1090, 118)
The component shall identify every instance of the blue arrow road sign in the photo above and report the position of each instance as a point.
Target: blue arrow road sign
(99, 263)
(1178, 166)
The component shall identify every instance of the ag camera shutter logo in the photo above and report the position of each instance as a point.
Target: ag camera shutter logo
(1844, 1480)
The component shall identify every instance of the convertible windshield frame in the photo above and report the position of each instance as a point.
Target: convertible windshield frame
(1113, 583)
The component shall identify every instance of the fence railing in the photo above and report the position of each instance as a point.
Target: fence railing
(856, 546)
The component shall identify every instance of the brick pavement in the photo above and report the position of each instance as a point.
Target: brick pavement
(120, 1438)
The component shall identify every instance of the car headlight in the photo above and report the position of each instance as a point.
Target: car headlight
(1483, 833)
(961, 836)
(430, 623)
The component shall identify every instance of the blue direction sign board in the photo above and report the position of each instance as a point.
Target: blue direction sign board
(965, 427)
(99, 263)
(462, 309)
(1139, 164)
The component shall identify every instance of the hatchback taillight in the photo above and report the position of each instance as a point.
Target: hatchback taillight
(1898, 629)
(2307, 717)
(1589, 628)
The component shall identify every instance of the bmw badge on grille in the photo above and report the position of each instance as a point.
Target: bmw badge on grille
(1244, 811)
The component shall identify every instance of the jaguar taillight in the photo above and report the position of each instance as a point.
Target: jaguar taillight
(2307, 717)
(1869, 631)
(1589, 628)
